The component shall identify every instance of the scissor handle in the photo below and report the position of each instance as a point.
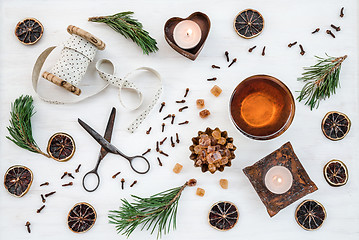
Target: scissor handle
(86, 175)
(134, 169)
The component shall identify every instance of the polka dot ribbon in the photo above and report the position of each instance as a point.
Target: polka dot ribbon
(76, 55)
(125, 84)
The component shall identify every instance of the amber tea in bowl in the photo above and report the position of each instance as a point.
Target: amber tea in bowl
(262, 107)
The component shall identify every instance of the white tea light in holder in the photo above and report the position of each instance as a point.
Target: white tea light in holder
(79, 50)
(278, 179)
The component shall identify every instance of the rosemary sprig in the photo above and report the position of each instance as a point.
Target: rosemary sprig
(20, 124)
(159, 210)
(321, 80)
(130, 28)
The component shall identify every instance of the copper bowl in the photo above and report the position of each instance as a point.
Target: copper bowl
(262, 107)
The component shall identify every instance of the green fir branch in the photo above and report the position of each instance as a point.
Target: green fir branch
(20, 128)
(158, 211)
(130, 28)
(321, 80)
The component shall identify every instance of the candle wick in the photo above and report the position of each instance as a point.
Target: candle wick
(189, 32)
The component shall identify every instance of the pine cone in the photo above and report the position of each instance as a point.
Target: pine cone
(212, 150)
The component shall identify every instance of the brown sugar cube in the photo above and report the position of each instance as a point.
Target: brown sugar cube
(222, 141)
(177, 168)
(216, 91)
(223, 183)
(204, 113)
(216, 134)
(200, 103)
(200, 192)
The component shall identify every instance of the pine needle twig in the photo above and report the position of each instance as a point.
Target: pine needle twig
(321, 80)
(130, 28)
(158, 211)
(20, 124)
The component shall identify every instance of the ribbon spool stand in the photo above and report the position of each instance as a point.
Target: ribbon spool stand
(78, 52)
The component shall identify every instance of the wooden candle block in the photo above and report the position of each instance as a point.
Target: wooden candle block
(302, 184)
(203, 22)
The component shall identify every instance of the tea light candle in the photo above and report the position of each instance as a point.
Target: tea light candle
(187, 34)
(278, 179)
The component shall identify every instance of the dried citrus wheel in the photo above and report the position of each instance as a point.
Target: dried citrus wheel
(310, 215)
(249, 23)
(29, 31)
(335, 125)
(336, 173)
(223, 216)
(81, 217)
(61, 147)
(18, 180)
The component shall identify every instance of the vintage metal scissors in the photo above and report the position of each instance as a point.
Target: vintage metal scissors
(107, 147)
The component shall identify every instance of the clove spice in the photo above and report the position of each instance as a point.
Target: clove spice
(162, 105)
(49, 194)
(40, 209)
(172, 142)
(173, 118)
(335, 27)
(134, 182)
(177, 139)
(342, 12)
(43, 198)
(292, 44)
(215, 66)
(65, 173)
(252, 48)
(78, 169)
(163, 141)
(147, 151)
(115, 175)
(233, 61)
(67, 184)
(28, 226)
(70, 175)
(163, 153)
(149, 131)
(212, 79)
(182, 108)
(159, 161)
(163, 127)
(330, 33)
(264, 51)
(302, 52)
(186, 93)
(227, 55)
(182, 101)
(44, 184)
(122, 183)
(157, 147)
(182, 123)
(168, 116)
(316, 30)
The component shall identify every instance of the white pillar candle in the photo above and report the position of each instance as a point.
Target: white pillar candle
(187, 34)
(278, 179)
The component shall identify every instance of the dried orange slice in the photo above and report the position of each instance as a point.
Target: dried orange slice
(310, 215)
(18, 180)
(61, 147)
(249, 23)
(81, 217)
(29, 31)
(223, 216)
(336, 173)
(335, 125)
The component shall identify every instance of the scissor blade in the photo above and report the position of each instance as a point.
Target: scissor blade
(108, 131)
(101, 140)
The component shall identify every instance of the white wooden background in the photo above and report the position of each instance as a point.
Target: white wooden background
(285, 21)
